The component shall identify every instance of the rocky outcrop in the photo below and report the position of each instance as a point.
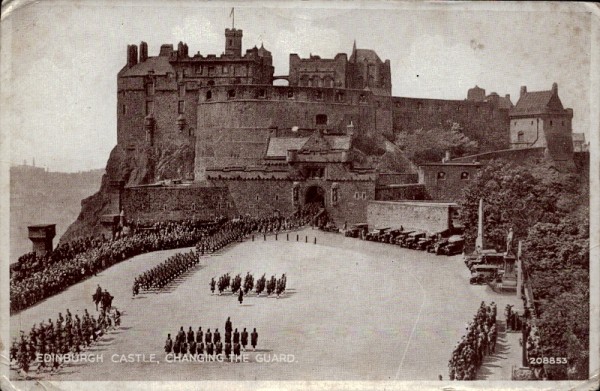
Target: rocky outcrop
(145, 165)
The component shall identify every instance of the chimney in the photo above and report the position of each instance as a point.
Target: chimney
(132, 55)
(507, 96)
(143, 51)
(555, 88)
(523, 91)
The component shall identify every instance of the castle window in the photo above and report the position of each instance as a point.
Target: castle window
(149, 107)
(257, 198)
(363, 99)
(211, 71)
(150, 88)
(225, 69)
(364, 195)
(321, 119)
(182, 90)
(124, 109)
(339, 96)
(262, 93)
(464, 176)
(230, 94)
(355, 195)
(290, 94)
(520, 137)
(210, 83)
(231, 42)
(441, 176)
(181, 107)
(208, 95)
(334, 195)
(199, 69)
(532, 122)
(319, 95)
(550, 123)
(190, 132)
(276, 197)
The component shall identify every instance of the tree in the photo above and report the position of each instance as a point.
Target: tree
(430, 145)
(512, 196)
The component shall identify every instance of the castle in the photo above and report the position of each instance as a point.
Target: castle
(200, 135)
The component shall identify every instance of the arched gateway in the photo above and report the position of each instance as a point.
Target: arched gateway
(315, 194)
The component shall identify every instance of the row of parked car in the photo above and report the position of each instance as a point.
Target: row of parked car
(448, 242)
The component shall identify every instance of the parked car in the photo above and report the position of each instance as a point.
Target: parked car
(401, 236)
(454, 245)
(411, 239)
(376, 233)
(483, 274)
(355, 230)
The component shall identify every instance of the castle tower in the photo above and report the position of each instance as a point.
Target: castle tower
(233, 42)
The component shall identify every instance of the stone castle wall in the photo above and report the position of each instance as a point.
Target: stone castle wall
(422, 216)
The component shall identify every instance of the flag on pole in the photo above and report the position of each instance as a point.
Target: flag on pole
(232, 15)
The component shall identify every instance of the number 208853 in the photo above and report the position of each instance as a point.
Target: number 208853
(548, 360)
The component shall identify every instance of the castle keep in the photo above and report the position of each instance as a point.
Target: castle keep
(223, 137)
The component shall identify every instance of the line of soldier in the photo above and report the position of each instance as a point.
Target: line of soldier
(479, 341)
(55, 340)
(272, 285)
(162, 274)
(200, 343)
(31, 281)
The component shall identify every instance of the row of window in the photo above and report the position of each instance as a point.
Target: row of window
(360, 195)
(262, 94)
(442, 176)
(551, 123)
(149, 107)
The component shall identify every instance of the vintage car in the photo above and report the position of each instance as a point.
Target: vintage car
(455, 244)
(426, 243)
(484, 257)
(482, 274)
(330, 227)
(401, 237)
(389, 236)
(376, 233)
(355, 230)
(411, 239)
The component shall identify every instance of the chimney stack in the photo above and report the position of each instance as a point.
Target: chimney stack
(132, 55)
(523, 91)
(507, 96)
(555, 88)
(143, 51)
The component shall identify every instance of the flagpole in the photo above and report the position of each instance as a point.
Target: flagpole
(233, 20)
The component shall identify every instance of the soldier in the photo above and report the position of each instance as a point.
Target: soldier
(227, 350)
(236, 337)
(168, 344)
(254, 339)
(228, 325)
(236, 350)
(212, 282)
(181, 335)
(219, 348)
(217, 336)
(177, 347)
(209, 348)
(192, 347)
(244, 339)
(200, 347)
(208, 337)
(184, 348)
(190, 335)
(241, 296)
(228, 336)
(199, 335)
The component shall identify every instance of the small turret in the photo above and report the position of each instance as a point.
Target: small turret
(132, 55)
(523, 91)
(555, 88)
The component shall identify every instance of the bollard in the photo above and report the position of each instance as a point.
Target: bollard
(265, 236)
(253, 238)
(297, 237)
(275, 236)
(306, 239)
(315, 240)
(287, 237)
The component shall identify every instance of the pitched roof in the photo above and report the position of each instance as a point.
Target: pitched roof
(537, 102)
(365, 54)
(159, 65)
(278, 146)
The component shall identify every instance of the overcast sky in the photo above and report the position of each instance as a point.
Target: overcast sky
(60, 61)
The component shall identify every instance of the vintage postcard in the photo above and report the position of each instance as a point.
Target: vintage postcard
(299, 195)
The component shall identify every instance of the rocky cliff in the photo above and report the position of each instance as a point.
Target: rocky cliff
(142, 166)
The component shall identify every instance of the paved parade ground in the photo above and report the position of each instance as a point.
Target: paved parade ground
(353, 310)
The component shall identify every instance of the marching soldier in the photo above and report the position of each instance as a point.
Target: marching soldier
(168, 344)
(208, 337)
(228, 336)
(199, 335)
(236, 350)
(236, 337)
(209, 348)
(254, 339)
(228, 325)
(219, 348)
(181, 335)
(177, 347)
(190, 335)
(244, 339)
(217, 336)
(227, 350)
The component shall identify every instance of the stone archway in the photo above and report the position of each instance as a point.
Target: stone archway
(315, 194)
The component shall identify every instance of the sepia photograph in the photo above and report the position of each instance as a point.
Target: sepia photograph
(299, 195)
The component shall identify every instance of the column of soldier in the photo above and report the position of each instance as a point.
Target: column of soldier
(49, 344)
(479, 341)
(165, 272)
(272, 285)
(209, 344)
